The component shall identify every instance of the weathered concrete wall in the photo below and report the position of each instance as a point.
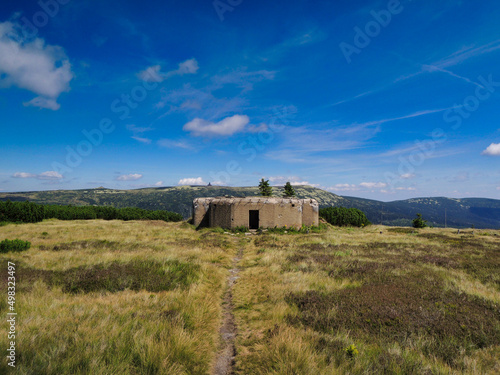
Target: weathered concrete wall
(310, 213)
(234, 212)
(220, 213)
(200, 209)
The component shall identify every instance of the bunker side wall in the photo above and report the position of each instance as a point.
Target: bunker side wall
(200, 209)
(220, 215)
(310, 214)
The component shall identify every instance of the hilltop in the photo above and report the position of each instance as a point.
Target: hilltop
(460, 213)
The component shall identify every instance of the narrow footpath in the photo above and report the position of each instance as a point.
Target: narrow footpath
(225, 357)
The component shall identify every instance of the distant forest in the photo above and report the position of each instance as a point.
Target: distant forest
(28, 212)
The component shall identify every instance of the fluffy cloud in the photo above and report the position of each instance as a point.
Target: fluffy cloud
(407, 176)
(373, 185)
(159, 183)
(49, 175)
(343, 187)
(154, 73)
(492, 150)
(32, 65)
(230, 125)
(294, 180)
(192, 181)
(129, 177)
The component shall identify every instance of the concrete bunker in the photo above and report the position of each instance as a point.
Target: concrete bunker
(255, 212)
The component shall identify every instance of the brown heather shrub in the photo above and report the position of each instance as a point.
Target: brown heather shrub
(85, 244)
(402, 308)
(137, 275)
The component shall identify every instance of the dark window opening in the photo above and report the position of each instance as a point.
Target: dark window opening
(253, 219)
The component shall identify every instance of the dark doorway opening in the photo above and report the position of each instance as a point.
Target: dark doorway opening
(254, 219)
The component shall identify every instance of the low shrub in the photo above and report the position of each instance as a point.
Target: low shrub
(344, 217)
(14, 246)
(136, 275)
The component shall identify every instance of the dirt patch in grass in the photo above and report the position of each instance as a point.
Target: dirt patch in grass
(404, 307)
(114, 277)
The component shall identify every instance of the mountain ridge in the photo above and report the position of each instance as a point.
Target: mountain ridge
(439, 211)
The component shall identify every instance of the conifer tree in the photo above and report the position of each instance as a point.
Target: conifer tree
(265, 189)
(289, 191)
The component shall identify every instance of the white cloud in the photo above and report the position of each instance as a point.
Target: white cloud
(186, 67)
(49, 175)
(243, 78)
(151, 74)
(353, 187)
(294, 180)
(159, 183)
(137, 131)
(192, 181)
(407, 176)
(142, 140)
(169, 143)
(23, 175)
(154, 74)
(492, 150)
(373, 185)
(406, 188)
(129, 177)
(32, 65)
(226, 127)
(343, 187)
(256, 129)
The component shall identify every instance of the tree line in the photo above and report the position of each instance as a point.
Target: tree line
(29, 212)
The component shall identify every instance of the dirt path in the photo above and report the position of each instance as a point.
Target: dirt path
(225, 357)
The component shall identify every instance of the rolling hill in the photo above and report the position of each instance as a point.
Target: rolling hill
(460, 213)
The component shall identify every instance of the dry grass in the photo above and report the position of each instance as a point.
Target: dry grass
(425, 302)
(110, 297)
(145, 298)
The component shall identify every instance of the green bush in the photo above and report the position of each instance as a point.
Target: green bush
(419, 222)
(28, 212)
(14, 245)
(344, 217)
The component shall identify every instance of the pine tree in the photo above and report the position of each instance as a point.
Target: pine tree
(265, 189)
(289, 191)
(419, 222)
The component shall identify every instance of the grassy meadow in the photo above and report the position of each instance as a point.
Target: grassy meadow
(146, 297)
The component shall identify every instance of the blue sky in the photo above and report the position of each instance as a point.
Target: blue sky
(377, 99)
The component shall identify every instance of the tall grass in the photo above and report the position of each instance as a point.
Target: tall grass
(113, 297)
(410, 303)
(107, 297)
